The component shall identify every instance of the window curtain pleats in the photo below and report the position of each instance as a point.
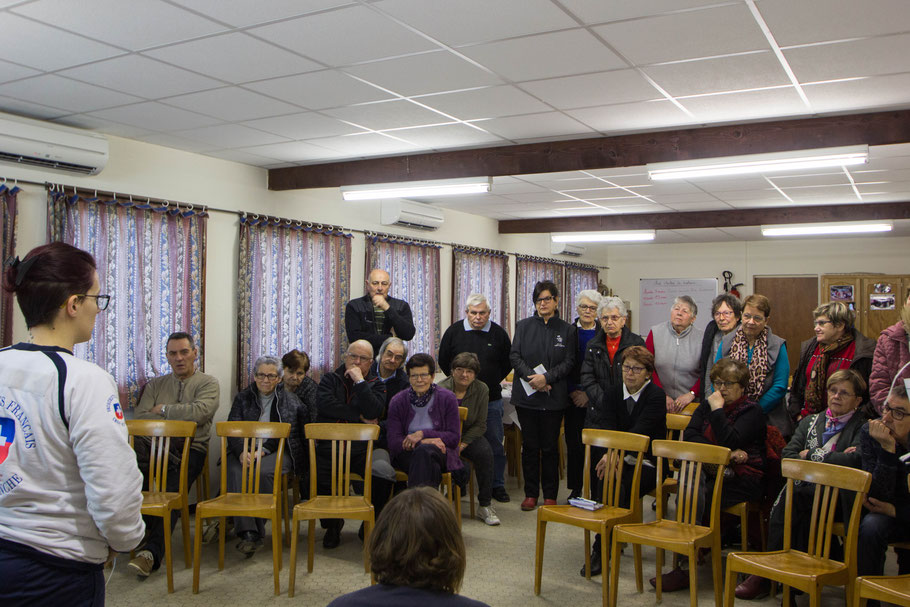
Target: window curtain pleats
(414, 270)
(8, 234)
(578, 278)
(151, 259)
(481, 271)
(294, 283)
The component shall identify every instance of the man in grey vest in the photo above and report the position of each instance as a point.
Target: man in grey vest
(676, 345)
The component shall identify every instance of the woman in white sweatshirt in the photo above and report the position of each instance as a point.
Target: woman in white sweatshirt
(70, 489)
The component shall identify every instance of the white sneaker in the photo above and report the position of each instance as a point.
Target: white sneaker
(488, 515)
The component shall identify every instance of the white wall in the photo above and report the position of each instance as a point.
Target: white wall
(147, 170)
(629, 263)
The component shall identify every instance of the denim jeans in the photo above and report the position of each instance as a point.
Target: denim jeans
(494, 436)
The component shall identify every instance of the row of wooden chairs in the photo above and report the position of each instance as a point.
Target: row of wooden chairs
(684, 534)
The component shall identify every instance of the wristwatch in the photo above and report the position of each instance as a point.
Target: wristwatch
(163, 410)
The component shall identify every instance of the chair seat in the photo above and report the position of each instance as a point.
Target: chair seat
(583, 518)
(883, 587)
(662, 532)
(159, 499)
(789, 564)
(250, 504)
(324, 504)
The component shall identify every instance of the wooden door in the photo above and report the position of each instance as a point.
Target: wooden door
(883, 298)
(793, 298)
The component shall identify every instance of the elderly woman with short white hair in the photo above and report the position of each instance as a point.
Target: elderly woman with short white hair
(586, 325)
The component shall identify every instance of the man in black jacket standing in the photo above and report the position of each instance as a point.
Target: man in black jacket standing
(376, 316)
(351, 394)
(477, 334)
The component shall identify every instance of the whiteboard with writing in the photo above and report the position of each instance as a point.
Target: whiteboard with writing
(656, 297)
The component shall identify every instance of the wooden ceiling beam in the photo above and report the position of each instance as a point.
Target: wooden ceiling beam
(709, 219)
(881, 128)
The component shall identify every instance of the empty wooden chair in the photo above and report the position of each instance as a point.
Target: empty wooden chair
(618, 446)
(156, 499)
(891, 588)
(247, 502)
(686, 534)
(809, 570)
(339, 503)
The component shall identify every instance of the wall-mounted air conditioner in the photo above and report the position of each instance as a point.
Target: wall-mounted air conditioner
(400, 212)
(566, 248)
(34, 143)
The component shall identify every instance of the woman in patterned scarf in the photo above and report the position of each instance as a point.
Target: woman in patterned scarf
(831, 436)
(766, 355)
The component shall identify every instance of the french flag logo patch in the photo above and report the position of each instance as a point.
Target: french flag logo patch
(7, 434)
(118, 411)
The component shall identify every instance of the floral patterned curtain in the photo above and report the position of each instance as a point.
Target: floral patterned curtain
(151, 259)
(578, 278)
(8, 235)
(414, 269)
(530, 271)
(481, 271)
(294, 282)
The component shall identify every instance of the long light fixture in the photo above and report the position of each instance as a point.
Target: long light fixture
(617, 236)
(759, 163)
(816, 229)
(416, 189)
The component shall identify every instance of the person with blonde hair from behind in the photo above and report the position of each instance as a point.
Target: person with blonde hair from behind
(417, 555)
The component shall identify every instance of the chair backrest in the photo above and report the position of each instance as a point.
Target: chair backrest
(254, 436)
(676, 425)
(160, 432)
(618, 445)
(829, 479)
(692, 457)
(342, 437)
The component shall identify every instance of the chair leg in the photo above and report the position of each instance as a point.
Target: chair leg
(471, 491)
(815, 596)
(221, 533)
(729, 586)
(744, 528)
(292, 558)
(614, 571)
(367, 530)
(659, 573)
(187, 540)
(717, 570)
(197, 550)
(311, 545)
(168, 561)
(588, 555)
(538, 552)
(786, 598)
(639, 584)
(285, 506)
(276, 548)
(458, 504)
(605, 562)
(693, 577)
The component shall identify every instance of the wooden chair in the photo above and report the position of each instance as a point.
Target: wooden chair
(202, 481)
(744, 510)
(157, 500)
(894, 589)
(288, 481)
(810, 570)
(339, 503)
(676, 425)
(248, 502)
(618, 445)
(684, 535)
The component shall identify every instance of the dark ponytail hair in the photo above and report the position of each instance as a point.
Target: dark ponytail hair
(46, 278)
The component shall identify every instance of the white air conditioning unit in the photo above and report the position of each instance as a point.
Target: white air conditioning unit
(45, 145)
(566, 248)
(400, 212)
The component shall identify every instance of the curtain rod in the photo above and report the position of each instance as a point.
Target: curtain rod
(211, 209)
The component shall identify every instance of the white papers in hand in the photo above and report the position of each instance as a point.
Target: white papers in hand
(540, 370)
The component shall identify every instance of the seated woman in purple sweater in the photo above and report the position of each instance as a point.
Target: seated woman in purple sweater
(416, 555)
(423, 426)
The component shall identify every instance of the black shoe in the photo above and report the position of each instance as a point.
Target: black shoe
(249, 543)
(595, 563)
(332, 537)
(501, 495)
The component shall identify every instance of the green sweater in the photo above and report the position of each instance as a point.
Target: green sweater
(194, 400)
(476, 400)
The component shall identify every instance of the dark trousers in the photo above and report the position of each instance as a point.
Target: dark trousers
(266, 486)
(379, 493)
(154, 525)
(424, 465)
(494, 436)
(575, 449)
(540, 451)
(876, 531)
(42, 580)
(481, 457)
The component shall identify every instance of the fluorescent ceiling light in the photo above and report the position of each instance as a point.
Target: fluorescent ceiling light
(415, 189)
(618, 236)
(759, 163)
(813, 229)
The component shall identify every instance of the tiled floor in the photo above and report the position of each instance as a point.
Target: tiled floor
(500, 571)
